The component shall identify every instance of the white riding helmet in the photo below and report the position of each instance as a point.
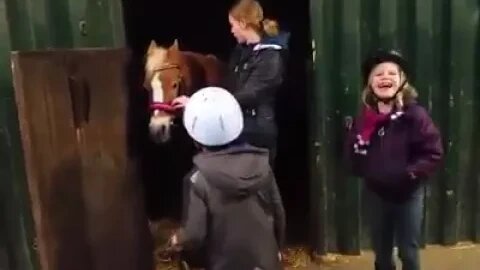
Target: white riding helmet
(213, 117)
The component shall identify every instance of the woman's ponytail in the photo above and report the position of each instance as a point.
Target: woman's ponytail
(270, 27)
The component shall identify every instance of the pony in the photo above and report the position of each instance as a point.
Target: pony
(169, 73)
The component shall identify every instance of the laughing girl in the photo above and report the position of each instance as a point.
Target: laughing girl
(395, 146)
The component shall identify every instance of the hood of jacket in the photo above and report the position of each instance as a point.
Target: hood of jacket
(237, 171)
(280, 40)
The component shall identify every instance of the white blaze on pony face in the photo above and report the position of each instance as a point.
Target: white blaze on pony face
(157, 95)
(160, 122)
(163, 83)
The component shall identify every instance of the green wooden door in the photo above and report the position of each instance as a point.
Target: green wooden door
(441, 39)
(87, 205)
(32, 25)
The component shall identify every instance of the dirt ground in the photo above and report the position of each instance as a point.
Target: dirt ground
(461, 257)
(464, 256)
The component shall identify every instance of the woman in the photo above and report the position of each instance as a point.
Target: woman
(395, 146)
(256, 70)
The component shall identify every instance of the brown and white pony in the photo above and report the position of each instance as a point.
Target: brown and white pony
(169, 73)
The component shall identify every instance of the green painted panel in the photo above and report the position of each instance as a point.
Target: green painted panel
(347, 96)
(96, 23)
(441, 38)
(16, 215)
(427, 33)
(476, 155)
(464, 27)
(17, 219)
(319, 13)
(36, 25)
(57, 21)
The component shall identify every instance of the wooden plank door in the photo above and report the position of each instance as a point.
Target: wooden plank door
(87, 206)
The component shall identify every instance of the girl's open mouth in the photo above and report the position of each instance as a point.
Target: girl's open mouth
(385, 85)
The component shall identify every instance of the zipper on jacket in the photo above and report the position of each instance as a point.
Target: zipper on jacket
(381, 134)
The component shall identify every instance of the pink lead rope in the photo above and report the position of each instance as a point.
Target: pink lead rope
(162, 106)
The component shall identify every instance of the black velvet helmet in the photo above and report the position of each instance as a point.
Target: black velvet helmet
(381, 56)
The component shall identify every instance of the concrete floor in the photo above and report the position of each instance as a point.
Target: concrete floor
(462, 257)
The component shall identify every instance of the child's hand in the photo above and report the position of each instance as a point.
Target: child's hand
(180, 102)
(174, 243)
(174, 240)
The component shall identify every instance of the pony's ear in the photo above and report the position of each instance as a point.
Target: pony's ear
(174, 52)
(152, 46)
(174, 46)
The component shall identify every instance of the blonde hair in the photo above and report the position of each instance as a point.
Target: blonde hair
(251, 13)
(406, 95)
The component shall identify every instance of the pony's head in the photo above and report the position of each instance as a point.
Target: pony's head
(163, 76)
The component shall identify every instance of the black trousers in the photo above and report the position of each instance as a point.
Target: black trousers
(268, 142)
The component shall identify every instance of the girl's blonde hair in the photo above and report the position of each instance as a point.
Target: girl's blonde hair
(251, 13)
(406, 95)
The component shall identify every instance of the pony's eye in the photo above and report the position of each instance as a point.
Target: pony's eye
(175, 85)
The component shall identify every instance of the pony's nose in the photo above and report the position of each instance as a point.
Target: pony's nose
(160, 128)
(163, 129)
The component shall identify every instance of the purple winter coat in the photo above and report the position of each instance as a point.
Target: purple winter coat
(408, 144)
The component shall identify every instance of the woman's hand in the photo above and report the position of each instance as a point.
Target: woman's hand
(180, 102)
